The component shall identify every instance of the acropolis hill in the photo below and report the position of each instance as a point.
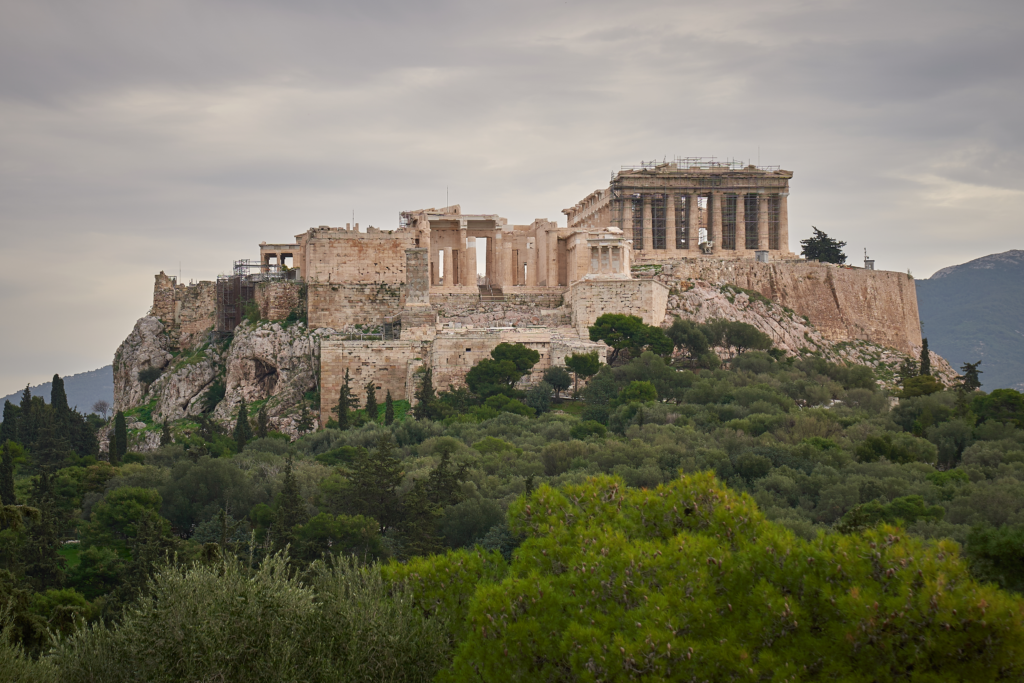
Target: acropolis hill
(442, 288)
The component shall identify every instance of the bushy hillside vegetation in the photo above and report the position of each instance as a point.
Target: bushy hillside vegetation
(700, 519)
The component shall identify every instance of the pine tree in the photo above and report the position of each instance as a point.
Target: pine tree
(425, 397)
(907, 370)
(7, 495)
(389, 409)
(970, 381)
(166, 438)
(243, 432)
(305, 423)
(345, 402)
(119, 440)
(926, 361)
(823, 248)
(262, 423)
(371, 402)
(291, 510)
(9, 427)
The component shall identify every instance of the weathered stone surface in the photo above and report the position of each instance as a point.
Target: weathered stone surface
(272, 362)
(276, 299)
(147, 346)
(179, 392)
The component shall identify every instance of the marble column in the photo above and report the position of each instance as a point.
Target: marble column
(552, 259)
(627, 216)
(715, 230)
(469, 274)
(648, 241)
(762, 222)
(464, 278)
(506, 263)
(741, 222)
(670, 224)
(784, 222)
(449, 270)
(692, 224)
(531, 262)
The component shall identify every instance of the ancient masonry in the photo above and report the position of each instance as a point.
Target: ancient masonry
(443, 288)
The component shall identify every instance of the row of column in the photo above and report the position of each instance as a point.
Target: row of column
(715, 229)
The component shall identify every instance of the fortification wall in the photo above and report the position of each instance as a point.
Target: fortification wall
(589, 299)
(340, 256)
(388, 364)
(276, 299)
(188, 312)
(843, 303)
(340, 305)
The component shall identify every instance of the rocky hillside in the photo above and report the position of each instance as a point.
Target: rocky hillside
(975, 311)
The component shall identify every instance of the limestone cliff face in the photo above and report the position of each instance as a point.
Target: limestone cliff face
(844, 304)
(179, 392)
(703, 301)
(146, 347)
(273, 362)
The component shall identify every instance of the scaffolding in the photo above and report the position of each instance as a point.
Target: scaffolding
(658, 221)
(729, 222)
(257, 271)
(697, 163)
(233, 293)
(751, 220)
(774, 211)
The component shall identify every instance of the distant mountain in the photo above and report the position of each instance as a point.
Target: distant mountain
(975, 311)
(83, 389)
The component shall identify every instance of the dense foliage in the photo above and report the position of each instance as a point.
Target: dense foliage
(815, 457)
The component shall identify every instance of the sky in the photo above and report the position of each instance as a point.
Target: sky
(144, 136)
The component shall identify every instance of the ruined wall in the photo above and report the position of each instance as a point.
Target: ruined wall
(341, 305)
(843, 303)
(589, 299)
(187, 312)
(389, 364)
(277, 299)
(334, 255)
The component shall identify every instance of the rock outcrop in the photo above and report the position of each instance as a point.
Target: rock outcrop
(147, 346)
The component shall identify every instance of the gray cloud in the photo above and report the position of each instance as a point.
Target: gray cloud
(140, 135)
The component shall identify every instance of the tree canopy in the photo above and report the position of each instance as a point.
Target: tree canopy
(821, 247)
(629, 332)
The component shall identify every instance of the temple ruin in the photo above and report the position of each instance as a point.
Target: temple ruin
(441, 288)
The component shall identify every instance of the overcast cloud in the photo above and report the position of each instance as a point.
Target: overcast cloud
(139, 135)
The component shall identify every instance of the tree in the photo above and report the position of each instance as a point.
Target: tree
(389, 409)
(60, 408)
(119, 439)
(558, 377)
(500, 373)
(371, 402)
(100, 408)
(305, 423)
(629, 332)
(374, 484)
(970, 382)
(639, 392)
(538, 397)
(243, 432)
(27, 421)
(908, 370)
(689, 337)
(583, 365)
(42, 561)
(166, 438)
(9, 427)
(291, 511)
(821, 247)
(752, 601)
(7, 495)
(51, 448)
(926, 361)
(262, 422)
(345, 402)
(425, 397)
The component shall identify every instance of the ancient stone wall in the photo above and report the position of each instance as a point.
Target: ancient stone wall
(187, 312)
(843, 303)
(589, 299)
(277, 299)
(388, 364)
(341, 305)
(335, 255)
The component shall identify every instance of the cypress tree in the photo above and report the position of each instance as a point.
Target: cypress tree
(59, 404)
(27, 421)
(291, 511)
(345, 403)
(425, 397)
(389, 409)
(262, 422)
(375, 480)
(119, 442)
(9, 427)
(50, 450)
(7, 496)
(371, 402)
(926, 361)
(166, 438)
(243, 432)
(43, 564)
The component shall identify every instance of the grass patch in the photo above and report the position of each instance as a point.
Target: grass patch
(70, 552)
